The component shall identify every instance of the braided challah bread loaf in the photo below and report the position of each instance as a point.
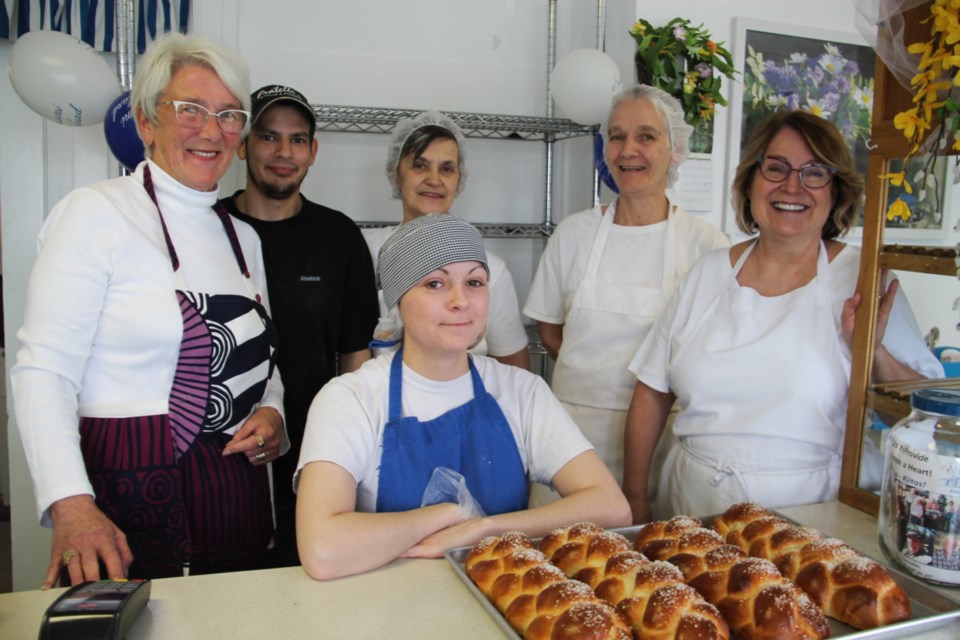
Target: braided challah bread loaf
(581, 550)
(655, 602)
(845, 584)
(751, 594)
(535, 597)
(651, 596)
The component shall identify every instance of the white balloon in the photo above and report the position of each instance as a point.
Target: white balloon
(61, 78)
(584, 82)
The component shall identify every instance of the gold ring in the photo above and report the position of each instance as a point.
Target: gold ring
(260, 441)
(260, 456)
(69, 555)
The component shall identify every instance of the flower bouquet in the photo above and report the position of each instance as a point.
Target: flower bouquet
(684, 61)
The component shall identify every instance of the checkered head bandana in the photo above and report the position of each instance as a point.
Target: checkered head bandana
(421, 246)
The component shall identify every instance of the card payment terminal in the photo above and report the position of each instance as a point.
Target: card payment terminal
(101, 610)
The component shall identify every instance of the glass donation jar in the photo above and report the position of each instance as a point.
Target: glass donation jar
(920, 495)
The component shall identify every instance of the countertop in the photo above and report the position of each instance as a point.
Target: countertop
(420, 599)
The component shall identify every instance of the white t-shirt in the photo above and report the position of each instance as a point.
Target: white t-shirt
(346, 420)
(505, 332)
(633, 256)
(687, 310)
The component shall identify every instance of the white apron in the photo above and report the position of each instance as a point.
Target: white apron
(764, 384)
(601, 334)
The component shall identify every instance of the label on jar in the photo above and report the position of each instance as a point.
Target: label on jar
(926, 515)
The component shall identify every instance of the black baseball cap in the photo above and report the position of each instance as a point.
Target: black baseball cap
(267, 96)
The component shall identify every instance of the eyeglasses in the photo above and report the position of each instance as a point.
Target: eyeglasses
(195, 116)
(812, 175)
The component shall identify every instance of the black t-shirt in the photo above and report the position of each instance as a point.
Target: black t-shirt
(323, 301)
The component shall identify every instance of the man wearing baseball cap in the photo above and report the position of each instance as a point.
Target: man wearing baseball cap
(319, 274)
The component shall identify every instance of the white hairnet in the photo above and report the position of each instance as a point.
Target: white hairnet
(406, 128)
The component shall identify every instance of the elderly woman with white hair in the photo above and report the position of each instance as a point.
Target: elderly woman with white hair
(426, 168)
(607, 272)
(430, 448)
(146, 391)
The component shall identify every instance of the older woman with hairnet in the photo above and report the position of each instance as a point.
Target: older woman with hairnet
(607, 272)
(429, 447)
(146, 393)
(426, 169)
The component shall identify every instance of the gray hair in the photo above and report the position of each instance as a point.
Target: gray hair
(173, 51)
(669, 107)
(412, 136)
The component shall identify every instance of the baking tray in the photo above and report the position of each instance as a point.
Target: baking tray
(929, 608)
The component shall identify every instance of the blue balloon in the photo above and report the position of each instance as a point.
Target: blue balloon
(601, 165)
(120, 130)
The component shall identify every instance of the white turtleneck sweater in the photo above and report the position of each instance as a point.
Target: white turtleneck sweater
(102, 327)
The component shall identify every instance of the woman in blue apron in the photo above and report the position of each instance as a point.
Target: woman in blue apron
(145, 326)
(431, 448)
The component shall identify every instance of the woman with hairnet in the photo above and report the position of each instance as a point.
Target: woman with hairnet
(430, 448)
(607, 272)
(425, 167)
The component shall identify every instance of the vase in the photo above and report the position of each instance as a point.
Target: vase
(672, 85)
(644, 73)
(701, 140)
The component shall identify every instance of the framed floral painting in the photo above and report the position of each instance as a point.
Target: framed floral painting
(780, 66)
(829, 73)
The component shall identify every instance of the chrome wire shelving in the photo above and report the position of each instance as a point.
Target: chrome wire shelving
(474, 125)
(487, 229)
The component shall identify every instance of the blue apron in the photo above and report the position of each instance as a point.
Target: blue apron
(473, 439)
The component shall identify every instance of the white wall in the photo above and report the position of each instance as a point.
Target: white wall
(481, 56)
